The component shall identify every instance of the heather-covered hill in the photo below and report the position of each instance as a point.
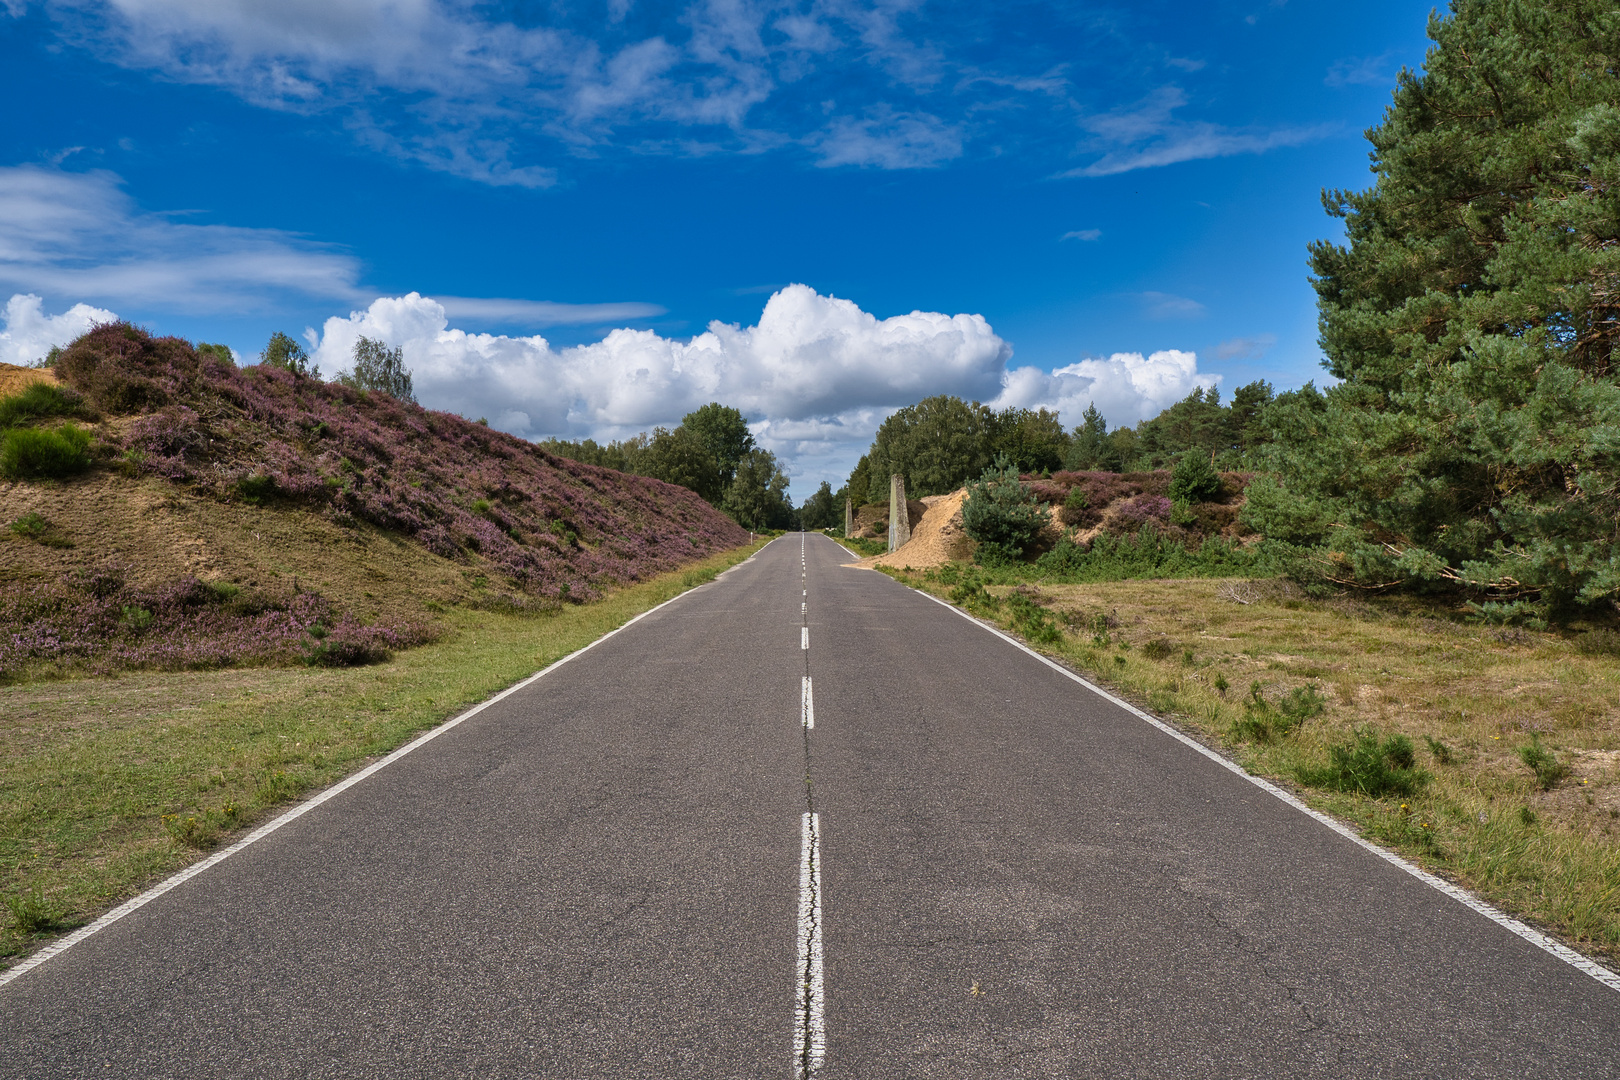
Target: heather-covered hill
(260, 480)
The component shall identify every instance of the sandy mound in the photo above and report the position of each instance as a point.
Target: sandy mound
(935, 540)
(14, 379)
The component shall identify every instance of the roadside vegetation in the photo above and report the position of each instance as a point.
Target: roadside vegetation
(109, 784)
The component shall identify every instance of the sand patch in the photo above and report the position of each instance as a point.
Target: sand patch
(14, 379)
(935, 540)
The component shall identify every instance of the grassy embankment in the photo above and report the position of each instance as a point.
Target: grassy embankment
(1507, 780)
(109, 784)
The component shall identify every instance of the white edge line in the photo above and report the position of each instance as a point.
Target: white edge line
(1457, 893)
(135, 903)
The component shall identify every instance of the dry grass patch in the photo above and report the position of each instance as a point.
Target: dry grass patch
(109, 784)
(1279, 681)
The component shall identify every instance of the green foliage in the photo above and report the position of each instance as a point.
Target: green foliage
(681, 457)
(283, 352)
(221, 353)
(1032, 439)
(1074, 506)
(822, 510)
(37, 453)
(255, 487)
(1438, 750)
(1543, 762)
(1472, 318)
(1031, 620)
(37, 401)
(1369, 766)
(1194, 479)
(1265, 722)
(724, 433)
(693, 578)
(937, 444)
(757, 497)
(1089, 447)
(31, 912)
(377, 367)
(34, 526)
(1148, 554)
(1001, 514)
(1159, 649)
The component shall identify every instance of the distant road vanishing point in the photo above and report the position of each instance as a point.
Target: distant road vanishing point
(804, 821)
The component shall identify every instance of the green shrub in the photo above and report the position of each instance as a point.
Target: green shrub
(1075, 506)
(1262, 721)
(1438, 750)
(30, 453)
(1194, 479)
(1001, 514)
(255, 487)
(32, 912)
(1033, 621)
(1158, 649)
(37, 401)
(33, 526)
(1543, 762)
(1369, 765)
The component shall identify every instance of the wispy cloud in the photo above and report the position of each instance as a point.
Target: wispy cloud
(888, 140)
(1246, 348)
(81, 235)
(1160, 305)
(1081, 234)
(540, 313)
(1362, 71)
(1147, 134)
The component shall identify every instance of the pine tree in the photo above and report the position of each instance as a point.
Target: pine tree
(1472, 316)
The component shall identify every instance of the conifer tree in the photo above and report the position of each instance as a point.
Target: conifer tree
(1472, 315)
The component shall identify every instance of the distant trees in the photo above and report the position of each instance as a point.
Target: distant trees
(283, 352)
(823, 510)
(710, 452)
(942, 442)
(377, 367)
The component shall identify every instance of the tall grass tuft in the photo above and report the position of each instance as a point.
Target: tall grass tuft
(1369, 766)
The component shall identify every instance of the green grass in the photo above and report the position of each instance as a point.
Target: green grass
(107, 785)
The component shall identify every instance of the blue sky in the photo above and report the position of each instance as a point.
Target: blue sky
(1027, 203)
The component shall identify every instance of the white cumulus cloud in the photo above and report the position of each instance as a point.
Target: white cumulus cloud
(809, 356)
(1126, 387)
(816, 375)
(30, 333)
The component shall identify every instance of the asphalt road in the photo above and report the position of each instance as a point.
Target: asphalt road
(606, 875)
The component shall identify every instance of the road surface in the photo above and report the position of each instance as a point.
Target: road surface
(803, 820)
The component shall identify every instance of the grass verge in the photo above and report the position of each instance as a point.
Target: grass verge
(1488, 756)
(109, 784)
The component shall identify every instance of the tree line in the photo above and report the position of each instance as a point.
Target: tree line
(712, 452)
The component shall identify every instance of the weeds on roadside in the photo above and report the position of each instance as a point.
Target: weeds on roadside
(1264, 722)
(31, 912)
(693, 578)
(1543, 762)
(1370, 766)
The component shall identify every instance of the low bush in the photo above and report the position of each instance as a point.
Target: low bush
(1369, 766)
(1034, 622)
(31, 912)
(1543, 762)
(41, 453)
(1151, 553)
(1001, 514)
(37, 401)
(1194, 479)
(1263, 721)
